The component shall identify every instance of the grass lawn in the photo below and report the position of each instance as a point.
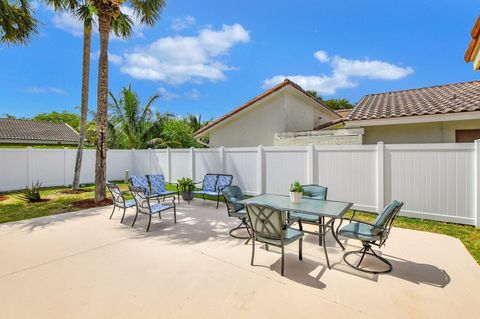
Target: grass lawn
(58, 201)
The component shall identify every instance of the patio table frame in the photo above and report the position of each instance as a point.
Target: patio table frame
(318, 207)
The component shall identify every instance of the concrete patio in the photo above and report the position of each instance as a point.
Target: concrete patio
(83, 265)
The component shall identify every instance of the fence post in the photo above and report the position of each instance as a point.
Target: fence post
(192, 158)
(169, 165)
(65, 167)
(380, 176)
(477, 182)
(311, 164)
(222, 158)
(261, 169)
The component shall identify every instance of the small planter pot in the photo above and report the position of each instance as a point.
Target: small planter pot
(187, 195)
(295, 197)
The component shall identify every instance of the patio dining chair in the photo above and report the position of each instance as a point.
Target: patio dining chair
(144, 206)
(269, 225)
(369, 234)
(233, 194)
(315, 192)
(213, 184)
(118, 200)
(158, 187)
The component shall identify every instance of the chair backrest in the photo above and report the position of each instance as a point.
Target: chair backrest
(232, 195)
(140, 181)
(223, 181)
(267, 221)
(117, 195)
(384, 221)
(315, 191)
(209, 182)
(157, 182)
(143, 205)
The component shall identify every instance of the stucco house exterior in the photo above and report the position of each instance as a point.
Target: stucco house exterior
(439, 114)
(284, 108)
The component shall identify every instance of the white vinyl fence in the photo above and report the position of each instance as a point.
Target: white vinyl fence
(436, 181)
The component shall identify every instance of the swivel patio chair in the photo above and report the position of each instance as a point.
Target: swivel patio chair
(269, 226)
(213, 184)
(145, 207)
(118, 200)
(369, 234)
(233, 194)
(316, 192)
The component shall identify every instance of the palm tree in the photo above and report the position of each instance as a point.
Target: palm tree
(132, 119)
(17, 23)
(148, 12)
(196, 122)
(122, 26)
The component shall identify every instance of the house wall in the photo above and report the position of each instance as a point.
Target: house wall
(286, 112)
(435, 132)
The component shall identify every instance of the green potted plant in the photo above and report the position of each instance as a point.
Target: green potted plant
(296, 192)
(186, 187)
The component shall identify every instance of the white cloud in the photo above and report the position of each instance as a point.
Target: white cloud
(41, 90)
(321, 56)
(182, 59)
(179, 24)
(168, 95)
(112, 57)
(345, 74)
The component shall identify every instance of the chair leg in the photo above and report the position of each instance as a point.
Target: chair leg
(135, 219)
(332, 229)
(218, 200)
(113, 211)
(367, 250)
(159, 215)
(320, 233)
(175, 214)
(123, 216)
(149, 221)
(283, 260)
(253, 251)
(300, 254)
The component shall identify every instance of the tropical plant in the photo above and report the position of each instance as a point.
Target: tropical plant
(67, 117)
(185, 184)
(31, 194)
(17, 22)
(178, 134)
(132, 119)
(195, 122)
(296, 187)
(334, 104)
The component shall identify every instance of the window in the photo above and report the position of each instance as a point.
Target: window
(467, 136)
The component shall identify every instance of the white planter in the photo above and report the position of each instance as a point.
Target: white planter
(295, 197)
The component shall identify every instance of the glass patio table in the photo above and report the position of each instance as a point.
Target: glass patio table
(329, 209)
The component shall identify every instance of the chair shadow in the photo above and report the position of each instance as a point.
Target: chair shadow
(301, 271)
(418, 273)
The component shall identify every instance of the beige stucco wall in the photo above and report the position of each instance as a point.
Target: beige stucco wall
(436, 132)
(323, 137)
(286, 111)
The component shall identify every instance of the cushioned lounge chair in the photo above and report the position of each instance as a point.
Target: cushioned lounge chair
(118, 200)
(213, 184)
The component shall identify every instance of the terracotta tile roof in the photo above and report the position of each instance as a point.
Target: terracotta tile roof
(27, 130)
(473, 43)
(276, 88)
(441, 99)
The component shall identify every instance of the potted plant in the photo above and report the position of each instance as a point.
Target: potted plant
(185, 187)
(296, 192)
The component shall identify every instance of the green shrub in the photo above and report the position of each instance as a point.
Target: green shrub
(31, 194)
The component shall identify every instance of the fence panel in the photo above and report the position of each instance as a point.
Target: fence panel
(13, 168)
(181, 164)
(243, 165)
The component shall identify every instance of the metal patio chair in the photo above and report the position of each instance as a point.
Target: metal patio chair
(145, 207)
(118, 200)
(158, 187)
(316, 192)
(213, 184)
(269, 225)
(233, 194)
(369, 234)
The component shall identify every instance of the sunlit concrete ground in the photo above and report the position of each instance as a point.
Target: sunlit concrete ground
(83, 265)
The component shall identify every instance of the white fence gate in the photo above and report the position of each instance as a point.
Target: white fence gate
(436, 181)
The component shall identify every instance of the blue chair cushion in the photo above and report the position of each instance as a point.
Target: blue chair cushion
(130, 203)
(315, 191)
(155, 208)
(157, 182)
(305, 217)
(386, 214)
(290, 236)
(223, 181)
(209, 183)
(142, 182)
(360, 231)
(202, 192)
(242, 213)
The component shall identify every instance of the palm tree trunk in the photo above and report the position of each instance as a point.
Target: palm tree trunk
(102, 108)
(87, 37)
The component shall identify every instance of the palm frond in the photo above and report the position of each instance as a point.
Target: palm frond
(148, 11)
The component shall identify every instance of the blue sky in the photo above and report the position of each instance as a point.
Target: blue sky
(207, 57)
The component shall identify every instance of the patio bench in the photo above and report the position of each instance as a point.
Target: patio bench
(213, 184)
(153, 185)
